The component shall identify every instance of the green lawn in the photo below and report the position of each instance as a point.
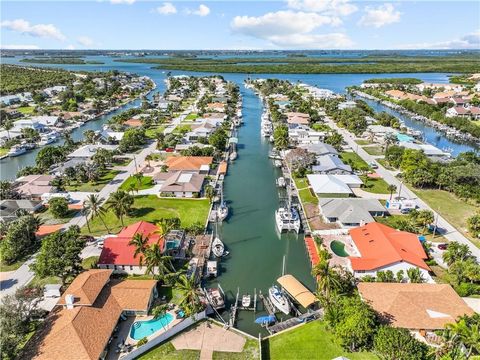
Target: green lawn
(363, 142)
(168, 351)
(250, 352)
(4, 151)
(354, 160)
(121, 161)
(375, 186)
(90, 262)
(153, 131)
(41, 282)
(393, 221)
(301, 182)
(373, 150)
(310, 341)
(151, 208)
(307, 196)
(385, 164)
(145, 183)
(182, 128)
(93, 186)
(191, 117)
(26, 110)
(455, 210)
(14, 266)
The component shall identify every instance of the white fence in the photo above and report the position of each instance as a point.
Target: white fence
(331, 232)
(164, 336)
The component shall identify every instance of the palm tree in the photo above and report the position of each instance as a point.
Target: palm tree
(456, 252)
(141, 244)
(86, 212)
(165, 225)
(415, 275)
(209, 192)
(327, 279)
(159, 311)
(120, 202)
(190, 300)
(8, 125)
(93, 205)
(392, 188)
(155, 260)
(467, 330)
(138, 176)
(148, 158)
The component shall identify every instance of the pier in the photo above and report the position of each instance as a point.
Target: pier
(284, 325)
(267, 304)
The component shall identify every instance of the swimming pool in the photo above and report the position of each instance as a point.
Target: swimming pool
(141, 329)
(338, 248)
(404, 138)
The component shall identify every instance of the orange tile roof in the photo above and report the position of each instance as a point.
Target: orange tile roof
(415, 306)
(381, 245)
(133, 123)
(48, 229)
(188, 162)
(222, 167)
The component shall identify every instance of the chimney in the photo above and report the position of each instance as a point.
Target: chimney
(69, 299)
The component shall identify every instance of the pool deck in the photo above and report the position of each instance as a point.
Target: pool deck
(349, 248)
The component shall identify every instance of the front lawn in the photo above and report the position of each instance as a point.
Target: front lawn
(152, 208)
(250, 352)
(363, 142)
(310, 341)
(146, 182)
(3, 151)
(182, 129)
(373, 150)
(453, 209)
(374, 186)
(93, 186)
(354, 160)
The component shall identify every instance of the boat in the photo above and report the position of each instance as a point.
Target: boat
(222, 211)
(265, 320)
(29, 146)
(281, 182)
(277, 163)
(246, 300)
(47, 139)
(275, 155)
(215, 298)
(212, 269)
(218, 249)
(16, 151)
(279, 299)
(233, 155)
(287, 218)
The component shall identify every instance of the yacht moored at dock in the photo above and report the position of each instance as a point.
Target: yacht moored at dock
(17, 150)
(279, 299)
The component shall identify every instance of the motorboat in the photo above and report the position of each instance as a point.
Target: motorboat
(275, 155)
(212, 269)
(218, 249)
(287, 219)
(17, 150)
(246, 300)
(29, 146)
(233, 155)
(279, 299)
(277, 163)
(215, 298)
(281, 182)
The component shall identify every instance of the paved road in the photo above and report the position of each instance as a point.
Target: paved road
(451, 233)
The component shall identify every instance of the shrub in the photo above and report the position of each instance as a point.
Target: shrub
(142, 341)
(58, 207)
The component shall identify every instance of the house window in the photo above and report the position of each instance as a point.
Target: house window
(131, 267)
(115, 267)
(123, 267)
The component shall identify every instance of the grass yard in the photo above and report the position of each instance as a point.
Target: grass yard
(363, 142)
(373, 150)
(307, 196)
(4, 151)
(90, 262)
(121, 161)
(301, 183)
(182, 128)
(153, 131)
(250, 352)
(310, 341)
(374, 186)
(146, 182)
(151, 208)
(168, 351)
(354, 160)
(41, 282)
(93, 186)
(49, 219)
(385, 164)
(455, 210)
(191, 117)
(26, 110)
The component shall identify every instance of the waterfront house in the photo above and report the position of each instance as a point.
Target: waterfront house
(328, 164)
(320, 149)
(420, 308)
(351, 212)
(347, 105)
(180, 184)
(10, 100)
(215, 107)
(46, 121)
(82, 324)
(60, 168)
(118, 255)
(54, 90)
(379, 133)
(446, 87)
(461, 111)
(325, 185)
(383, 248)
(303, 135)
(200, 164)
(175, 244)
(296, 118)
(10, 209)
(87, 151)
(430, 151)
(34, 186)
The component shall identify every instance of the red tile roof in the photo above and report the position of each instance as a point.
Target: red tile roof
(381, 245)
(117, 251)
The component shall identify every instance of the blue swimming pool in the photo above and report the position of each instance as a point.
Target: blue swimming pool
(404, 138)
(141, 329)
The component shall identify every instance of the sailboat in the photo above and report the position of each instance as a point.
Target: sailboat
(287, 218)
(218, 248)
(278, 297)
(222, 211)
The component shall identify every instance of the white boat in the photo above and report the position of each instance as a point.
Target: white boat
(287, 219)
(215, 298)
(16, 151)
(218, 249)
(47, 139)
(246, 300)
(279, 300)
(233, 155)
(272, 139)
(212, 269)
(222, 212)
(281, 182)
(277, 163)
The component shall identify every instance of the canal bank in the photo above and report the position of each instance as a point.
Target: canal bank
(256, 248)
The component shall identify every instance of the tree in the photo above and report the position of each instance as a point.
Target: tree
(280, 137)
(93, 205)
(159, 311)
(132, 139)
(473, 223)
(89, 137)
(327, 278)
(190, 294)
(209, 192)
(159, 265)
(120, 202)
(48, 156)
(398, 344)
(19, 239)
(58, 206)
(335, 139)
(141, 244)
(165, 225)
(422, 218)
(7, 190)
(8, 125)
(467, 331)
(60, 254)
(456, 252)
(218, 139)
(415, 275)
(392, 188)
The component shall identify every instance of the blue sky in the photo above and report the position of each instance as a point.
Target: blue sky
(289, 24)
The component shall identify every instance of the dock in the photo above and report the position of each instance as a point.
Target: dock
(284, 325)
(201, 251)
(267, 304)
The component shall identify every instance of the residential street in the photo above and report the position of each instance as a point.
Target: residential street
(451, 233)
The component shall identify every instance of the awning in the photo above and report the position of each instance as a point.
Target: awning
(233, 140)
(296, 290)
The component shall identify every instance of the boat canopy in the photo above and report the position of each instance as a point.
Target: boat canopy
(233, 140)
(297, 290)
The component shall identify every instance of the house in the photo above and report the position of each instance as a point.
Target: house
(462, 111)
(163, 104)
(54, 90)
(452, 87)
(297, 118)
(117, 253)
(59, 169)
(420, 308)
(34, 186)
(10, 100)
(458, 101)
(320, 149)
(216, 106)
(350, 212)
(325, 185)
(46, 120)
(10, 209)
(81, 325)
(181, 184)
(429, 150)
(86, 152)
(199, 164)
(328, 164)
(347, 105)
(401, 95)
(302, 135)
(383, 248)
(379, 132)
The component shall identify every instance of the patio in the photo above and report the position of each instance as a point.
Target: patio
(350, 248)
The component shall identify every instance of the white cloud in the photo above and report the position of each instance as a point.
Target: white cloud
(203, 10)
(85, 41)
(70, 47)
(380, 16)
(19, 47)
(40, 30)
(292, 29)
(468, 41)
(328, 7)
(166, 9)
(128, 2)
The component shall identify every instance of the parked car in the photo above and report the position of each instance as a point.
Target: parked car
(443, 246)
(373, 165)
(406, 210)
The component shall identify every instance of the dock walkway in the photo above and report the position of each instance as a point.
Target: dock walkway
(284, 325)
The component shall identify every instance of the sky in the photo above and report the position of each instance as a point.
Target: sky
(242, 25)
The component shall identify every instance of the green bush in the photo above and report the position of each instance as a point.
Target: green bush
(58, 207)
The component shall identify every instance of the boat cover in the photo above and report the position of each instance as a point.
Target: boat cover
(297, 290)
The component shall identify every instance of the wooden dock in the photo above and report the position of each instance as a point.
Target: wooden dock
(284, 325)
(267, 304)
(201, 251)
